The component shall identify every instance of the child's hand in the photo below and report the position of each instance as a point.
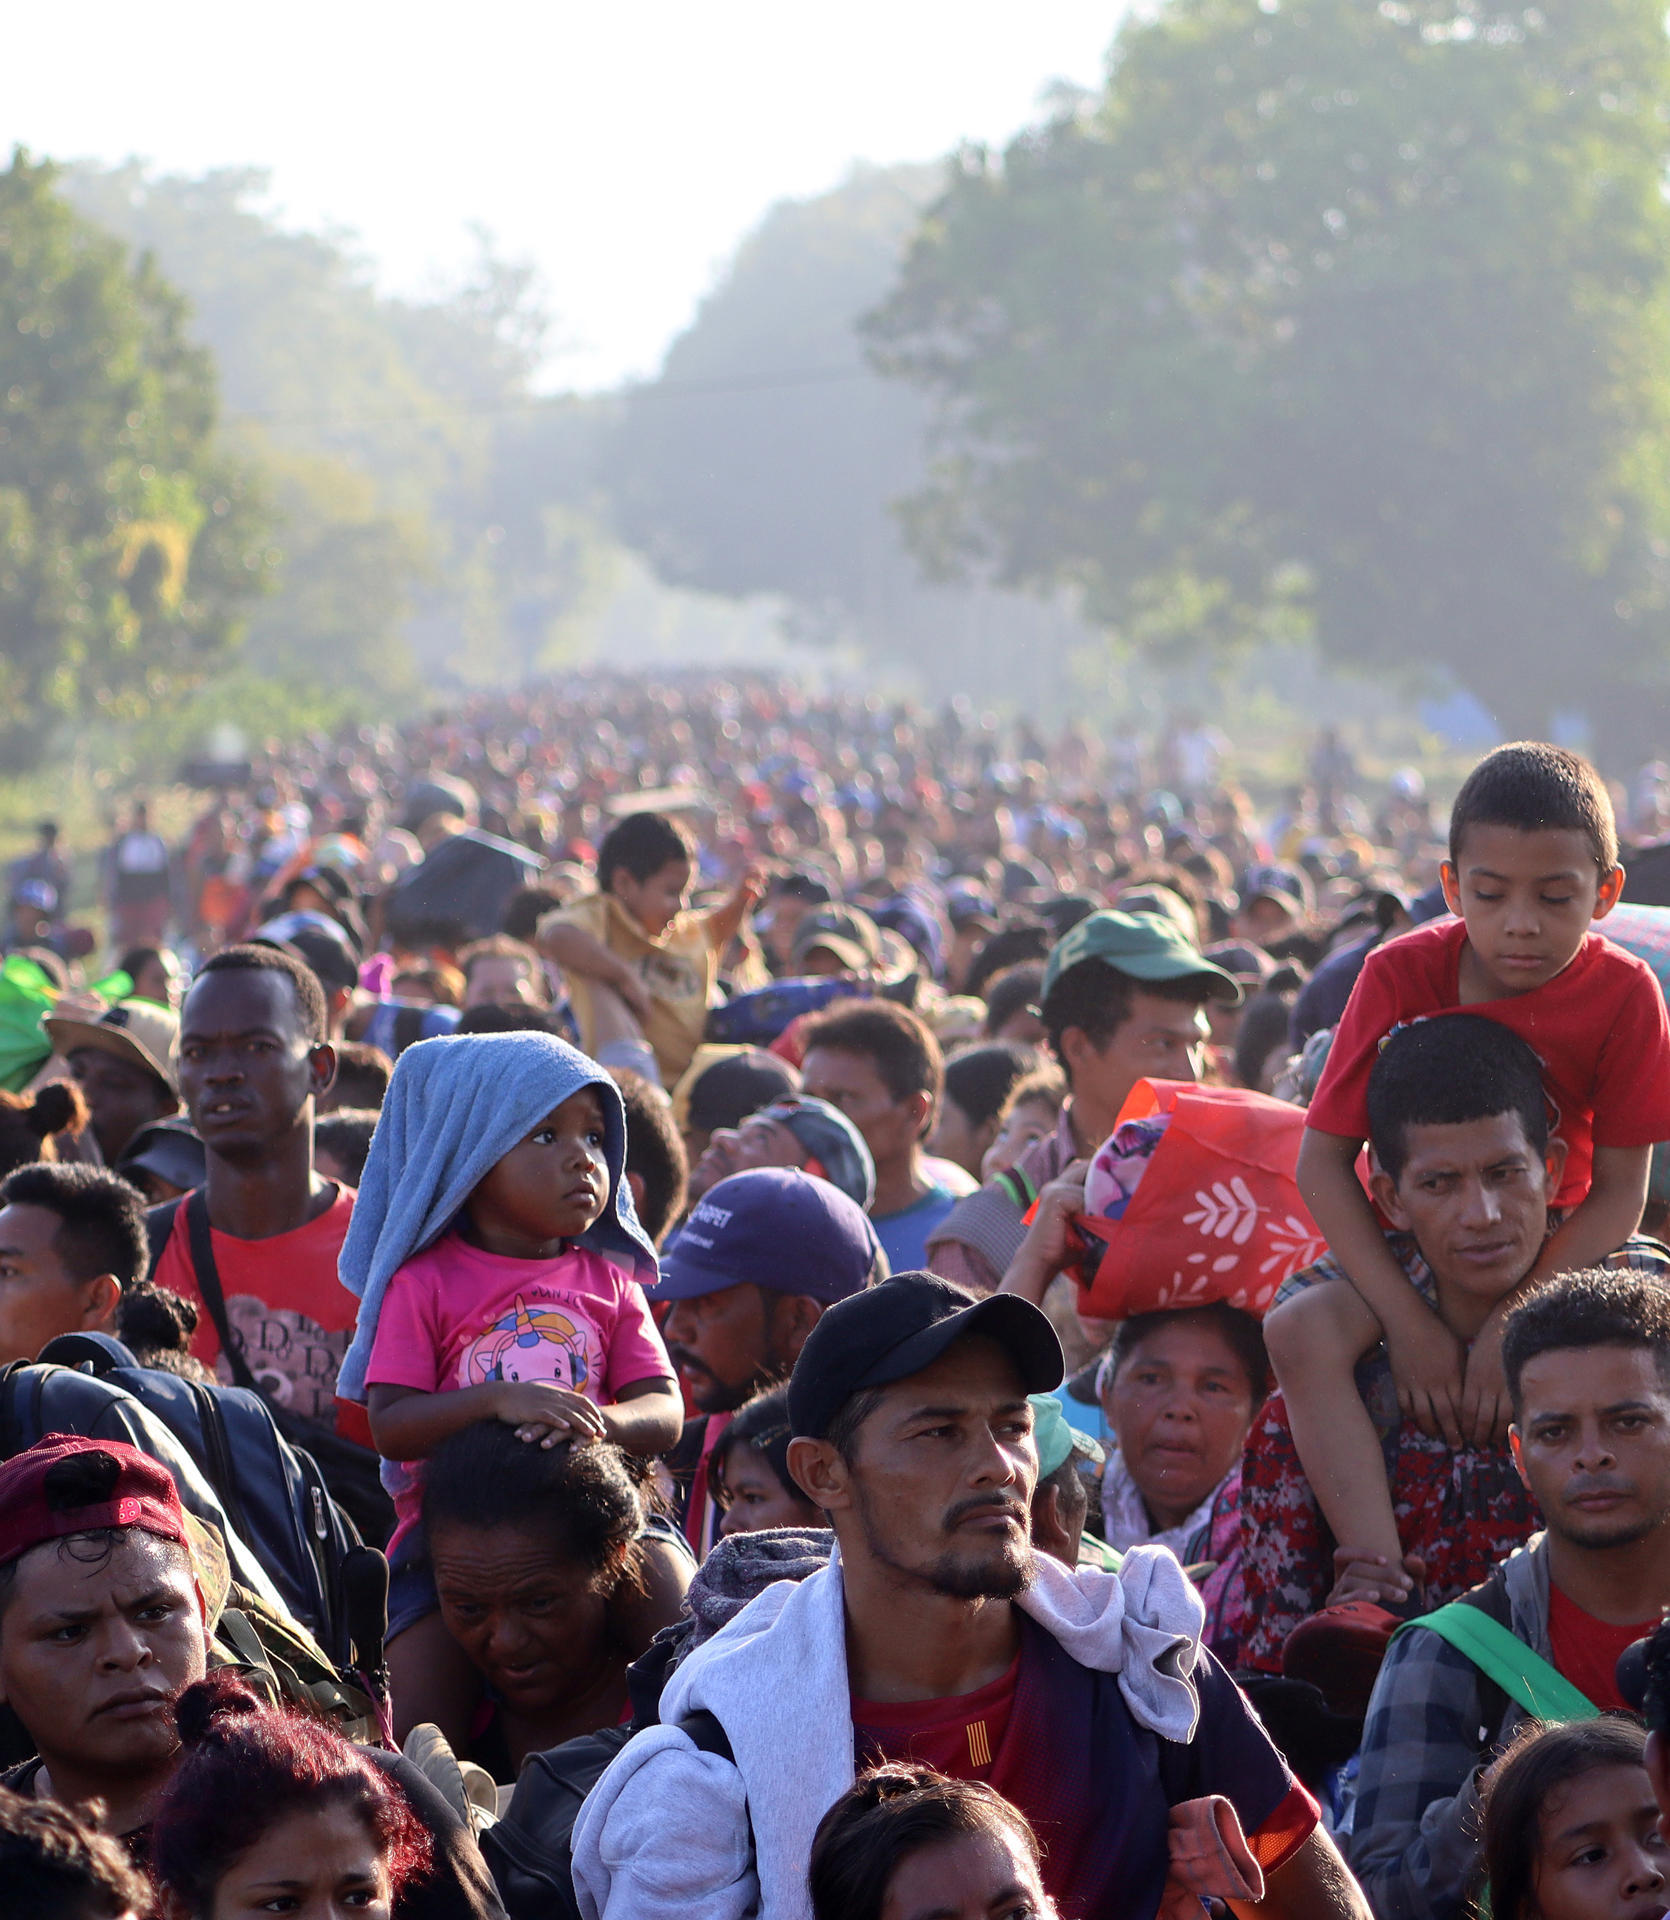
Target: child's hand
(1485, 1412)
(542, 1411)
(1426, 1365)
(1359, 1575)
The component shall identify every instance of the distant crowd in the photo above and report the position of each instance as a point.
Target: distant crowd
(706, 1300)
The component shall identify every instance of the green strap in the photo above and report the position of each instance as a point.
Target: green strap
(1020, 1189)
(1521, 1674)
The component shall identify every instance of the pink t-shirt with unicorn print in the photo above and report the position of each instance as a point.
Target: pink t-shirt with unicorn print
(454, 1316)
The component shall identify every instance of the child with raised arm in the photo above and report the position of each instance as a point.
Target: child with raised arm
(496, 1255)
(1533, 862)
(640, 965)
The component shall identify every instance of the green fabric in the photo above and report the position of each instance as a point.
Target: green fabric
(26, 993)
(1022, 1190)
(1501, 1656)
(1142, 946)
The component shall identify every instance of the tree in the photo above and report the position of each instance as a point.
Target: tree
(1328, 317)
(395, 429)
(130, 546)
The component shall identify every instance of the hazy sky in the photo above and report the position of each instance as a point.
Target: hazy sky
(624, 145)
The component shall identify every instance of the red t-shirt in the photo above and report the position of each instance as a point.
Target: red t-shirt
(1599, 1028)
(960, 1737)
(284, 1298)
(1586, 1650)
(1058, 1742)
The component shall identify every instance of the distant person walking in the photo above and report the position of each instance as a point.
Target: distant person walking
(138, 886)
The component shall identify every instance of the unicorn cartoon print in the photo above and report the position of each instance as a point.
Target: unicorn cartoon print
(529, 1343)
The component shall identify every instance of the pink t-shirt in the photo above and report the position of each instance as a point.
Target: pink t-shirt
(455, 1317)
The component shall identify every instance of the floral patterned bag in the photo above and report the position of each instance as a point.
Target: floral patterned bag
(1214, 1214)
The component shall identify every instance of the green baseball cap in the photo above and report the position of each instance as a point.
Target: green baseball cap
(1143, 946)
(1055, 1436)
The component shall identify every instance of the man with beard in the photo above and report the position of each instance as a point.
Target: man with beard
(759, 1258)
(1588, 1367)
(1085, 1698)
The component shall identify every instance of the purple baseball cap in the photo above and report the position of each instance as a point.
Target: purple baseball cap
(772, 1227)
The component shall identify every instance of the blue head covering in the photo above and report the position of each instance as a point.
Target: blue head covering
(455, 1107)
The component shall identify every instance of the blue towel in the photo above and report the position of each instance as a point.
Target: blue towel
(455, 1108)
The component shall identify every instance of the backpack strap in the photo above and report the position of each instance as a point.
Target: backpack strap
(203, 1264)
(1504, 1658)
(159, 1224)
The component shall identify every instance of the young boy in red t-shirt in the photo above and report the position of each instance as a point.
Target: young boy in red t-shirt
(1533, 861)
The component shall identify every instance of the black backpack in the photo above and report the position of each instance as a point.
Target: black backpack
(271, 1494)
(36, 1400)
(531, 1848)
(350, 1472)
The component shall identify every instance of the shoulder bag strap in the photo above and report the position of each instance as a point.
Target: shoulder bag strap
(208, 1284)
(1522, 1674)
(159, 1225)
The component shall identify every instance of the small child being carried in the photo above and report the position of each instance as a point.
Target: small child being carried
(496, 1252)
(1533, 862)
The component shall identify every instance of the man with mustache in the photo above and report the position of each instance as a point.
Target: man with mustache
(1465, 1168)
(1588, 1366)
(1084, 1697)
(760, 1257)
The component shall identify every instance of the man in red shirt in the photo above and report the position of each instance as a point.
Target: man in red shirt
(253, 1058)
(1588, 1365)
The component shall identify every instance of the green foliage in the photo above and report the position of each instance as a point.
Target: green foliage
(394, 432)
(1327, 316)
(129, 544)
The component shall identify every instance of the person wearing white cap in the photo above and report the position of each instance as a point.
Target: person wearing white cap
(126, 1062)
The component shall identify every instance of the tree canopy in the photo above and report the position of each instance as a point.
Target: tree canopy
(397, 436)
(130, 545)
(1325, 317)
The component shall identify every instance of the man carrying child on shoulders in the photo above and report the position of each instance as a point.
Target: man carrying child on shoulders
(1533, 861)
(1466, 1167)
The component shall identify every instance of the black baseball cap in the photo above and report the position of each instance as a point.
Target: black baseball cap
(901, 1327)
(318, 942)
(725, 1084)
(797, 884)
(168, 1148)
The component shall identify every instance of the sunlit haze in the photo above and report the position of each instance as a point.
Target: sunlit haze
(624, 149)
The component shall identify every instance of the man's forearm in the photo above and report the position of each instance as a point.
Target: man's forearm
(1432, 1875)
(1312, 1884)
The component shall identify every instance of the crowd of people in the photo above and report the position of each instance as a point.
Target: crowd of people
(707, 1300)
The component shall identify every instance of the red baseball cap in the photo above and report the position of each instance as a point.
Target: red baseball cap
(132, 1490)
